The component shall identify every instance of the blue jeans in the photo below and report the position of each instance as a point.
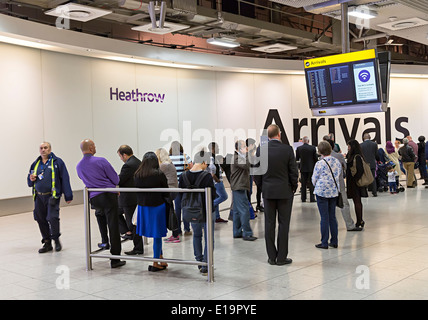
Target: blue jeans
(327, 209)
(392, 186)
(222, 196)
(241, 215)
(177, 203)
(198, 230)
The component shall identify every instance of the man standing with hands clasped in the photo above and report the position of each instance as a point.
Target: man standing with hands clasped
(49, 179)
(279, 185)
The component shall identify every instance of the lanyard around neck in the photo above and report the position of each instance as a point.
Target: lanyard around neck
(43, 170)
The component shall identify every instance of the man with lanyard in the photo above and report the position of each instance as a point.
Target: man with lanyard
(49, 179)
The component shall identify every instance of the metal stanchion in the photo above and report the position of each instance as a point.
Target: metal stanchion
(210, 234)
(88, 229)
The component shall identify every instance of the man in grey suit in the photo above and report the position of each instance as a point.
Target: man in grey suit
(371, 155)
(279, 185)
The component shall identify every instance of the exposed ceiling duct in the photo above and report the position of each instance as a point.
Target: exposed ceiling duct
(261, 29)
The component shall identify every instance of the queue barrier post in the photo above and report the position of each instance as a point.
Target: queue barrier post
(210, 229)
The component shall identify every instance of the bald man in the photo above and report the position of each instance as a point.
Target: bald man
(97, 172)
(48, 176)
(279, 185)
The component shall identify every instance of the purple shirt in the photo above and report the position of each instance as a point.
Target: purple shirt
(96, 172)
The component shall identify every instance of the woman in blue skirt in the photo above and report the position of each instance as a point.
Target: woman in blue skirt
(151, 219)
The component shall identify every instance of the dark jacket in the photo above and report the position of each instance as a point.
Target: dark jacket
(207, 182)
(407, 154)
(152, 199)
(351, 181)
(281, 177)
(370, 152)
(307, 155)
(126, 180)
(421, 153)
(62, 178)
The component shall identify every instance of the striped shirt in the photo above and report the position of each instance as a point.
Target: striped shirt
(180, 162)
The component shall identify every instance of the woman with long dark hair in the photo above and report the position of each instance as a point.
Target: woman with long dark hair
(355, 192)
(151, 219)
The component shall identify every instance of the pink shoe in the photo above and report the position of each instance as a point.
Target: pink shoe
(173, 239)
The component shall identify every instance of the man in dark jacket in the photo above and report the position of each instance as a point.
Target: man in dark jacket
(279, 186)
(307, 155)
(128, 200)
(49, 179)
(371, 155)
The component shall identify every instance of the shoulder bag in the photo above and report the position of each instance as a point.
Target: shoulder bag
(367, 177)
(339, 202)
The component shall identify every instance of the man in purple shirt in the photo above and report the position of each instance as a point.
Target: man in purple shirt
(97, 172)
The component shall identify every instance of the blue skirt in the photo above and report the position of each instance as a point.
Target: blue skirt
(151, 221)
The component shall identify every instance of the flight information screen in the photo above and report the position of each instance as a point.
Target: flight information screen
(341, 80)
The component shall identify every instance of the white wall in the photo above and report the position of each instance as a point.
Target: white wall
(63, 99)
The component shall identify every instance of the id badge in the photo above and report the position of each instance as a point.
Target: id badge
(40, 176)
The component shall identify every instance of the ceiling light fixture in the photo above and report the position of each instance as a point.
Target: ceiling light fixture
(404, 24)
(362, 12)
(223, 42)
(77, 12)
(273, 48)
(168, 27)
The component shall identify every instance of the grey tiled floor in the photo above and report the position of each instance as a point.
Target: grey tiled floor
(392, 250)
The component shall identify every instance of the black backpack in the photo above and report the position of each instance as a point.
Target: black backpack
(192, 204)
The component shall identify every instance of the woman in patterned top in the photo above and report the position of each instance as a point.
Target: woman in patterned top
(326, 182)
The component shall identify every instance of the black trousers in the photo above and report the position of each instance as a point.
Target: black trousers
(280, 208)
(306, 182)
(46, 213)
(374, 184)
(125, 225)
(106, 204)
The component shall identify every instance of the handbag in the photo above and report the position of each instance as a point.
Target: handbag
(135, 216)
(339, 202)
(367, 177)
(171, 217)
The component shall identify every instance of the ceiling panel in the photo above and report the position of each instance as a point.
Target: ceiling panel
(299, 3)
(421, 5)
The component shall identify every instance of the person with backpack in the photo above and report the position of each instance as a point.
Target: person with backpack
(355, 192)
(193, 204)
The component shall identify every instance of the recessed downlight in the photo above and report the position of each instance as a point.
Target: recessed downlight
(77, 14)
(403, 25)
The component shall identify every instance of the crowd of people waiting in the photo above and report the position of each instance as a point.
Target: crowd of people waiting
(329, 175)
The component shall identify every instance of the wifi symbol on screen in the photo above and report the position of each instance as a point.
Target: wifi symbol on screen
(364, 76)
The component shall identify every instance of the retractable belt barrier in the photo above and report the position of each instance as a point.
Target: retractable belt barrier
(210, 236)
